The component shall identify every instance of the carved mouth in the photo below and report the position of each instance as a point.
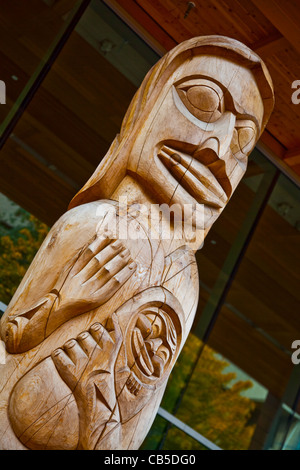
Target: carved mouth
(196, 177)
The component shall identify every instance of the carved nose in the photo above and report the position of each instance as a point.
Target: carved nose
(208, 152)
(218, 139)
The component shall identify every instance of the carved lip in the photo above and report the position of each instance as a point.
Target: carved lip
(195, 176)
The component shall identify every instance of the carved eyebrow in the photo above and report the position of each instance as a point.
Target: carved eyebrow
(200, 81)
(240, 112)
(226, 95)
(218, 87)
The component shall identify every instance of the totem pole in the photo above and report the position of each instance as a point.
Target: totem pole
(96, 325)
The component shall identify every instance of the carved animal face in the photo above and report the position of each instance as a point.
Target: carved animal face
(152, 328)
(193, 146)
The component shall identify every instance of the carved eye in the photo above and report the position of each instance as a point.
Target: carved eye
(202, 101)
(243, 141)
(203, 98)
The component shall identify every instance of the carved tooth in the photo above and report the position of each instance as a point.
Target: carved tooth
(145, 363)
(133, 385)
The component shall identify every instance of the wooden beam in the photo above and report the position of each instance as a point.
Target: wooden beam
(142, 23)
(271, 47)
(272, 144)
(292, 157)
(285, 16)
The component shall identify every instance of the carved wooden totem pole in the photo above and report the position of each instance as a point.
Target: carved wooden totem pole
(97, 323)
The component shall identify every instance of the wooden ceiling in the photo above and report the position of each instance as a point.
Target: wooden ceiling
(270, 27)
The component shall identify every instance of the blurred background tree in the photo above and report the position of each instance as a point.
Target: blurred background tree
(208, 399)
(21, 235)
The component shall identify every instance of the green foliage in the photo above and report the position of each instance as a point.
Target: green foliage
(18, 246)
(208, 400)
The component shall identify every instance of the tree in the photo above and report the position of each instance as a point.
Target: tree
(18, 246)
(211, 403)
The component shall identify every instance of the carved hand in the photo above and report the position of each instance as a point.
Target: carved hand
(87, 366)
(89, 280)
(97, 273)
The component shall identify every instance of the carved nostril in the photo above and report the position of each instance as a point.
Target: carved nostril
(208, 152)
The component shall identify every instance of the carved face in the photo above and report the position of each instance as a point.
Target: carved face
(152, 332)
(192, 148)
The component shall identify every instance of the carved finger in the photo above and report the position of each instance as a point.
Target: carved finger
(97, 245)
(75, 352)
(111, 269)
(65, 367)
(87, 343)
(117, 280)
(100, 259)
(100, 335)
(105, 339)
(96, 330)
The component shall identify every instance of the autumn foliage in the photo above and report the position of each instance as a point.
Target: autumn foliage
(17, 249)
(208, 399)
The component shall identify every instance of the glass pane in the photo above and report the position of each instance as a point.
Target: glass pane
(259, 319)
(165, 436)
(175, 439)
(155, 434)
(287, 435)
(21, 235)
(214, 397)
(292, 436)
(225, 240)
(75, 115)
(28, 36)
(266, 288)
